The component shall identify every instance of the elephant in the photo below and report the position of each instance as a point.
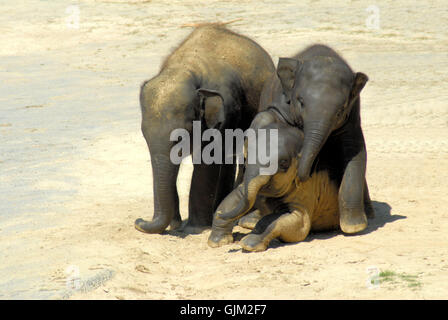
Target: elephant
(214, 76)
(317, 91)
(292, 207)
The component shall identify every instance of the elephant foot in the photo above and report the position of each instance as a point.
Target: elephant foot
(253, 243)
(138, 224)
(250, 220)
(219, 238)
(352, 220)
(145, 226)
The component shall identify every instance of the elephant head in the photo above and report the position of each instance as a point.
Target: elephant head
(284, 152)
(320, 93)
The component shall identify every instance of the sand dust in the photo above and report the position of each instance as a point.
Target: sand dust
(87, 232)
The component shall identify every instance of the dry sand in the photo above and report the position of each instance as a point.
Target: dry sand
(70, 141)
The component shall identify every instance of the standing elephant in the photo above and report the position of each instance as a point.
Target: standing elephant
(294, 207)
(316, 90)
(215, 76)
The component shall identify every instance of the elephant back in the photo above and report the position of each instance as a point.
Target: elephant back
(214, 49)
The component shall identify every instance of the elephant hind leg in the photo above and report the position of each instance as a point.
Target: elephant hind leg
(289, 227)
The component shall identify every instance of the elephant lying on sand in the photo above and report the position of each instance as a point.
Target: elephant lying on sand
(215, 76)
(296, 206)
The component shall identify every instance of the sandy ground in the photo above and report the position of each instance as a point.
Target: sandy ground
(75, 170)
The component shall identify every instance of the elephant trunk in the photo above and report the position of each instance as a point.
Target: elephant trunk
(166, 200)
(316, 134)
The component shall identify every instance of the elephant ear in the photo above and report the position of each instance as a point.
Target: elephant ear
(286, 71)
(212, 107)
(358, 84)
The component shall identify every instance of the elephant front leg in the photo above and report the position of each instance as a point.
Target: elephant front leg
(234, 206)
(264, 207)
(250, 220)
(289, 227)
(231, 208)
(352, 195)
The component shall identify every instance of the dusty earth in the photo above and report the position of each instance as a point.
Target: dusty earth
(75, 170)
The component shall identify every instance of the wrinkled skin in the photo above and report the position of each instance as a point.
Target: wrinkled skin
(215, 76)
(316, 90)
(293, 207)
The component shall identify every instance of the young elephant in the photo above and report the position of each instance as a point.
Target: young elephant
(215, 76)
(296, 206)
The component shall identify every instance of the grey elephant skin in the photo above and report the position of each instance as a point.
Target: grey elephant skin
(317, 90)
(291, 208)
(215, 76)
